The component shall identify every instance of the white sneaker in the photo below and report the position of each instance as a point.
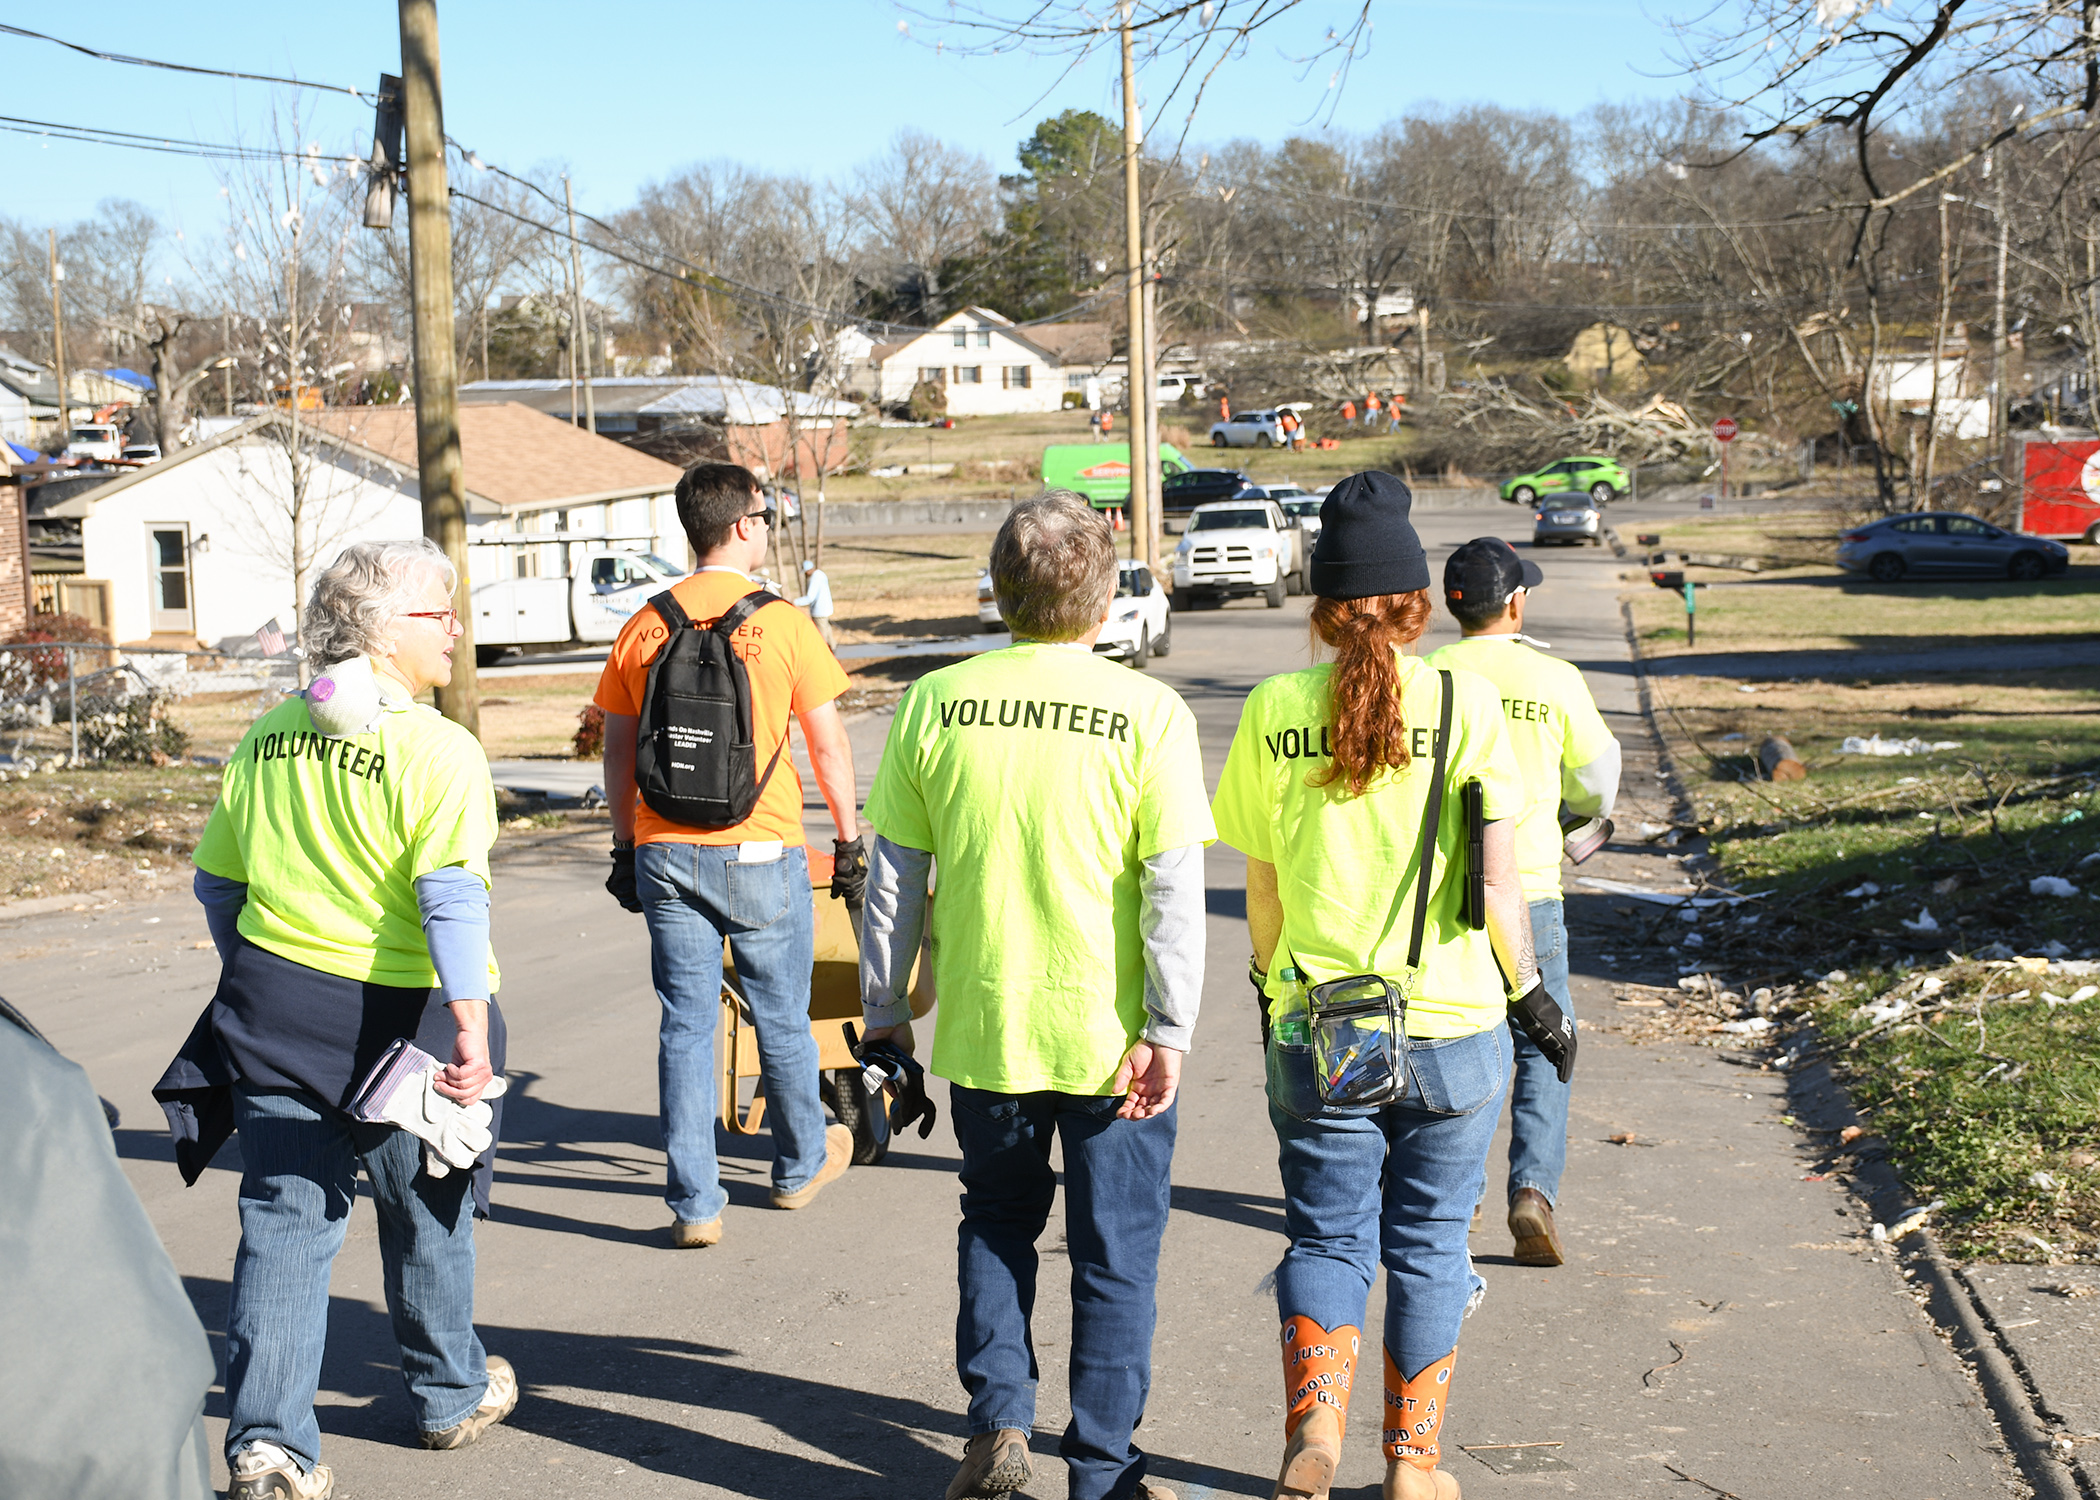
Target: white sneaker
(264, 1471)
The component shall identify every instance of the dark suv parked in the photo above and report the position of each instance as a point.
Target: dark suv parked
(1182, 493)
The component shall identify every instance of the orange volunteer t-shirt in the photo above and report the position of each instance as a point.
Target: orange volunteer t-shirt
(792, 671)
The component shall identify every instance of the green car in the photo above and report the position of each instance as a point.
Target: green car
(1599, 477)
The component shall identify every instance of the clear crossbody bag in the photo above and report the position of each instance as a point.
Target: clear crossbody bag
(1358, 1023)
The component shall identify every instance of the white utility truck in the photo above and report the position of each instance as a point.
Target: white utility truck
(1233, 549)
(587, 603)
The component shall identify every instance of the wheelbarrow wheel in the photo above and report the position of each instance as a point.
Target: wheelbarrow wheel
(859, 1114)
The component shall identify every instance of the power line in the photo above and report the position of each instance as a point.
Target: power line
(96, 135)
(174, 67)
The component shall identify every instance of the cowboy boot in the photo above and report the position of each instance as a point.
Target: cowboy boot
(1317, 1365)
(1414, 1415)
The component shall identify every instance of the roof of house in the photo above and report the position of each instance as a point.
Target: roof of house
(742, 402)
(1059, 343)
(512, 455)
(1072, 343)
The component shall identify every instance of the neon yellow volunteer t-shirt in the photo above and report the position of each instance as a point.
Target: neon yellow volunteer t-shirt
(1345, 866)
(1553, 724)
(1039, 777)
(331, 833)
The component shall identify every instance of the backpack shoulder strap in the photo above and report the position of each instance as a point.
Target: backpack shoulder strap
(674, 615)
(734, 617)
(1433, 818)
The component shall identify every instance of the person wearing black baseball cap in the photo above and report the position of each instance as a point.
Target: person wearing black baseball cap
(1571, 778)
(1384, 1009)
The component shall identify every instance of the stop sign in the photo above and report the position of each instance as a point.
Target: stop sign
(1724, 429)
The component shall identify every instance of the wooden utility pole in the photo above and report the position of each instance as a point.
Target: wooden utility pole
(442, 481)
(1138, 378)
(581, 330)
(1155, 494)
(58, 341)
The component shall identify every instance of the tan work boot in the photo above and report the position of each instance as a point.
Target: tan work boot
(1318, 1367)
(838, 1155)
(686, 1236)
(1414, 1421)
(497, 1403)
(1531, 1222)
(994, 1463)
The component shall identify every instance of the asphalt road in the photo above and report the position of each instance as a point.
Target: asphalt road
(1723, 1326)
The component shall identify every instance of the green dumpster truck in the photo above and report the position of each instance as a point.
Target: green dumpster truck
(1101, 471)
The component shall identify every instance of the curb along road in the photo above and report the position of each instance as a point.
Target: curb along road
(1822, 1104)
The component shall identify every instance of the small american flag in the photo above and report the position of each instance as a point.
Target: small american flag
(271, 639)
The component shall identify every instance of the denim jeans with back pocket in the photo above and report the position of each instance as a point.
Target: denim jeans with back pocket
(1393, 1182)
(695, 896)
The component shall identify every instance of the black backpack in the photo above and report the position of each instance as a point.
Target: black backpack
(695, 751)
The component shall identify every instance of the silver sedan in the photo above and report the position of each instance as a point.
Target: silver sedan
(1571, 518)
(1943, 543)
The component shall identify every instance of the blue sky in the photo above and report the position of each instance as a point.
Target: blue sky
(624, 92)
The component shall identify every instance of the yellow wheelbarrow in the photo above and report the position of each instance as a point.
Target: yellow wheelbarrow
(834, 1003)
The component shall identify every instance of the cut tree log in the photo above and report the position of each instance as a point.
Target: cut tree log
(1776, 758)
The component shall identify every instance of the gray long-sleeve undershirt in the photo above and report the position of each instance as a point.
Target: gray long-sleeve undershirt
(1170, 924)
(1591, 789)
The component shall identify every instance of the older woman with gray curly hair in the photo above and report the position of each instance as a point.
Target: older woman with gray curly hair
(345, 875)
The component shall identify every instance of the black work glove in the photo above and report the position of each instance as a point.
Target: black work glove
(1551, 1029)
(1260, 981)
(908, 1077)
(849, 872)
(621, 882)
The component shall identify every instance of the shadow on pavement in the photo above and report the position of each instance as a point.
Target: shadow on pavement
(872, 1441)
(1252, 1210)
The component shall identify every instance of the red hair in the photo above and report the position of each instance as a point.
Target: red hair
(1370, 732)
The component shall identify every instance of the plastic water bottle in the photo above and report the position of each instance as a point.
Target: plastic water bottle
(1289, 1010)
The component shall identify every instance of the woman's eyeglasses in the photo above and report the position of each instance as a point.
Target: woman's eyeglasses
(449, 616)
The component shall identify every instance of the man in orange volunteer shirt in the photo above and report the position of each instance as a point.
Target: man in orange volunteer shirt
(748, 884)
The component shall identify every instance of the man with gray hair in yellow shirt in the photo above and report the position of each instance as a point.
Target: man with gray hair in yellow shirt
(1570, 761)
(1062, 798)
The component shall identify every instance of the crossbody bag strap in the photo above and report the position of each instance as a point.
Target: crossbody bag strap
(1431, 823)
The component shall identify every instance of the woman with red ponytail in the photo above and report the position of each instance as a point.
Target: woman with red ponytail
(1385, 983)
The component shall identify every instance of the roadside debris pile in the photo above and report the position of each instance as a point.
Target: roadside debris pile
(1495, 426)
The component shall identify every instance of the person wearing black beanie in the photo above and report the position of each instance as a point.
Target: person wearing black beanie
(1384, 1007)
(1367, 544)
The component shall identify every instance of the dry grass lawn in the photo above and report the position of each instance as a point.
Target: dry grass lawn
(1814, 605)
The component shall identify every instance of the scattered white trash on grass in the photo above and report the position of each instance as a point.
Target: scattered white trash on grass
(1874, 744)
(1864, 888)
(2051, 885)
(1926, 921)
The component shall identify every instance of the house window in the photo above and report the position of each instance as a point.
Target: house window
(984, 338)
(933, 374)
(1075, 380)
(969, 374)
(168, 578)
(962, 338)
(1016, 377)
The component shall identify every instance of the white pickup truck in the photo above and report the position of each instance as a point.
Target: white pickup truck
(590, 606)
(1233, 549)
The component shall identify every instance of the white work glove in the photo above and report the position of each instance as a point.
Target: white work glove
(458, 1133)
(452, 1135)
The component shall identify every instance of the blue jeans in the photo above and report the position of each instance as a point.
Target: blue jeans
(1116, 1184)
(299, 1178)
(1538, 1100)
(694, 896)
(1396, 1181)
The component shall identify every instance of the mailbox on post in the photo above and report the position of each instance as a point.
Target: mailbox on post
(1673, 578)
